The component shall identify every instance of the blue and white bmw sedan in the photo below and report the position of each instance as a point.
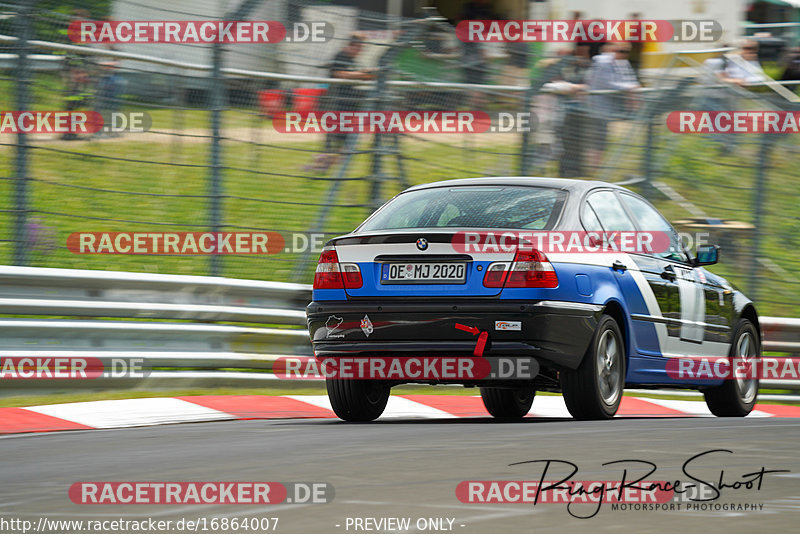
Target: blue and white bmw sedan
(441, 262)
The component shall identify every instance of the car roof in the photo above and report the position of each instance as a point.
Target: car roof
(531, 181)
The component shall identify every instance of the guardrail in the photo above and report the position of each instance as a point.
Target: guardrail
(172, 323)
(781, 335)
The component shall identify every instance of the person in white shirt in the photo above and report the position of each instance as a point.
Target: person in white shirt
(747, 70)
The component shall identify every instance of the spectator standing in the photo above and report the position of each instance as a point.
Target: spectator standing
(78, 86)
(741, 69)
(474, 58)
(108, 92)
(342, 97)
(717, 98)
(575, 127)
(637, 47)
(747, 70)
(791, 71)
(609, 73)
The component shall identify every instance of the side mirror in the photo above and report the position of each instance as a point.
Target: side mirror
(707, 255)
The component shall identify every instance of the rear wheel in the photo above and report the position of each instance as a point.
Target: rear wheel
(594, 390)
(357, 400)
(508, 403)
(737, 396)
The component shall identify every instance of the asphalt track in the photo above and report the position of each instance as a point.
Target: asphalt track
(410, 468)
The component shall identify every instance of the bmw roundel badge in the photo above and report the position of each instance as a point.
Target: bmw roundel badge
(422, 243)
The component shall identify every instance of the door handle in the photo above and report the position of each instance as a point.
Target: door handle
(618, 266)
(668, 273)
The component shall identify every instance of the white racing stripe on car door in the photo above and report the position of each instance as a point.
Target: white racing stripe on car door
(669, 346)
(693, 306)
(672, 346)
(665, 343)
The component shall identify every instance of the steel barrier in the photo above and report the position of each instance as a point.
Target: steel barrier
(173, 323)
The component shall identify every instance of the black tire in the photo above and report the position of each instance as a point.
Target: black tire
(357, 400)
(736, 397)
(508, 403)
(594, 389)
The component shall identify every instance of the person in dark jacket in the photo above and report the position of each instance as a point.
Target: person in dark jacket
(791, 71)
(342, 97)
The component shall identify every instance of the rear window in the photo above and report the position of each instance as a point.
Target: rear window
(535, 208)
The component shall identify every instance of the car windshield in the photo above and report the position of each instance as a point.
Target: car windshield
(534, 208)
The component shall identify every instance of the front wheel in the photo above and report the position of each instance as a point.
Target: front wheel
(507, 403)
(357, 400)
(594, 389)
(737, 395)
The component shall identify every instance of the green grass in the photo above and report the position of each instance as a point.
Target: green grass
(75, 192)
(713, 182)
(69, 184)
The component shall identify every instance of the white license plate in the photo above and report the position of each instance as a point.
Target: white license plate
(441, 273)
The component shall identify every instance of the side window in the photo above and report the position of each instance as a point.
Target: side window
(589, 219)
(610, 212)
(650, 220)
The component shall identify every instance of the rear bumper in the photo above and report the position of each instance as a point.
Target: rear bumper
(554, 333)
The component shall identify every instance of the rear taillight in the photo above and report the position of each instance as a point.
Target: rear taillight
(529, 269)
(352, 276)
(328, 275)
(331, 274)
(495, 275)
(532, 269)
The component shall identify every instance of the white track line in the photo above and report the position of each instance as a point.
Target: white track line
(397, 407)
(131, 412)
(696, 408)
(549, 406)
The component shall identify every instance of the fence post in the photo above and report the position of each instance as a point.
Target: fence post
(647, 163)
(758, 212)
(217, 106)
(525, 155)
(22, 76)
(378, 149)
(215, 189)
